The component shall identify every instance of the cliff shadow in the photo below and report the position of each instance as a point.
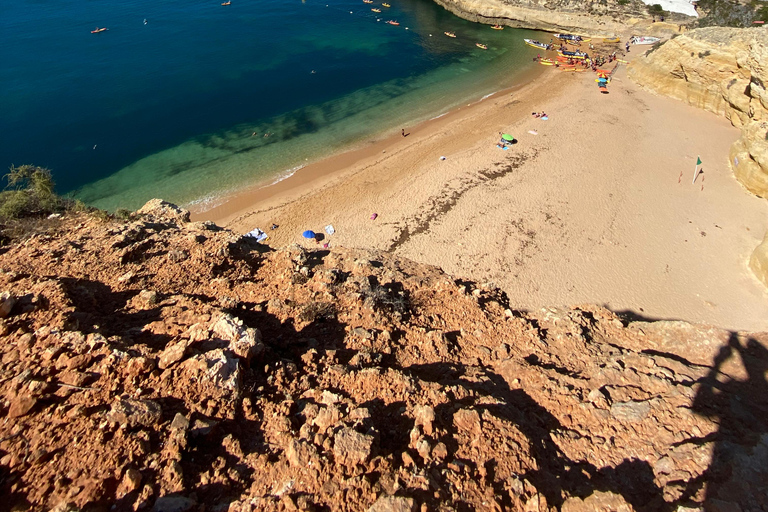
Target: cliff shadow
(557, 477)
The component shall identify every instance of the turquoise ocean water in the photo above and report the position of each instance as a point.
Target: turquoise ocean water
(168, 107)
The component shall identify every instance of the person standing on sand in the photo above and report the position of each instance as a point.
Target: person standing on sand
(402, 132)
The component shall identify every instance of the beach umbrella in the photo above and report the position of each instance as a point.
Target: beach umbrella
(308, 234)
(507, 136)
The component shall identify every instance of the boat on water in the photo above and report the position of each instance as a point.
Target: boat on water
(228, 2)
(644, 40)
(392, 22)
(536, 44)
(481, 46)
(386, 5)
(450, 34)
(497, 27)
(98, 30)
(367, 1)
(611, 40)
(376, 10)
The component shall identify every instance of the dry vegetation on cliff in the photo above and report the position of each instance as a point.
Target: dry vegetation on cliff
(165, 365)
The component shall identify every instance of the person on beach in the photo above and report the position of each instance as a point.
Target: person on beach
(402, 132)
(627, 46)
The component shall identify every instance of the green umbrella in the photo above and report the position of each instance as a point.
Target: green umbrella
(507, 136)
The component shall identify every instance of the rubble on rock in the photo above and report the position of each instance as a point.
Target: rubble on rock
(238, 378)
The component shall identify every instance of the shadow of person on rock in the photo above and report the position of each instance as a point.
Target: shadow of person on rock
(737, 472)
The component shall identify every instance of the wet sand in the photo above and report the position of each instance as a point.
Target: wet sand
(586, 210)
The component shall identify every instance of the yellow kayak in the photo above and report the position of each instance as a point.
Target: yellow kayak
(481, 46)
(386, 5)
(611, 40)
(376, 10)
(497, 27)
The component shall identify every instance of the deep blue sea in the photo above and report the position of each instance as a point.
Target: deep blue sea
(168, 107)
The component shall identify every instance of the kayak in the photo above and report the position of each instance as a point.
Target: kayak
(386, 5)
(367, 1)
(481, 46)
(450, 34)
(644, 40)
(611, 40)
(98, 30)
(393, 23)
(547, 62)
(376, 10)
(228, 2)
(535, 43)
(497, 27)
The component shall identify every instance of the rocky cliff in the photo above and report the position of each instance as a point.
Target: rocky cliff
(606, 18)
(157, 364)
(725, 71)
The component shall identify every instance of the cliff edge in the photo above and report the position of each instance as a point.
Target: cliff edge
(725, 71)
(608, 18)
(158, 364)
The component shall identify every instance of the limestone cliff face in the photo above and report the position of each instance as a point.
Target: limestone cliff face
(725, 71)
(599, 18)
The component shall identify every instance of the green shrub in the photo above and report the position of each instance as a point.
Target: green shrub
(30, 192)
(622, 2)
(656, 10)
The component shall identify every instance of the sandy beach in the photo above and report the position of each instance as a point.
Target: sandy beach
(588, 207)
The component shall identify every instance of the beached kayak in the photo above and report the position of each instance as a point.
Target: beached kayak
(611, 40)
(547, 62)
(535, 44)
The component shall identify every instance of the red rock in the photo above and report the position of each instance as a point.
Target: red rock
(20, 406)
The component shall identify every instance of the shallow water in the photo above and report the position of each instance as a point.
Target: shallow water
(169, 108)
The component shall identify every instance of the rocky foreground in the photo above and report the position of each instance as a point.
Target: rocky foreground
(164, 365)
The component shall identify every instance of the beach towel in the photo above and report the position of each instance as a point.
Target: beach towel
(329, 229)
(258, 234)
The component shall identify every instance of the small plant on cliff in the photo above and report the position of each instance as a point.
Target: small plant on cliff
(29, 192)
(622, 2)
(656, 10)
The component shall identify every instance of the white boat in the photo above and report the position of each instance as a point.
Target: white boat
(535, 44)
(644, 40)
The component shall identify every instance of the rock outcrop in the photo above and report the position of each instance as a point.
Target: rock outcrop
(599, 19)
(725, 71)
(241, 379)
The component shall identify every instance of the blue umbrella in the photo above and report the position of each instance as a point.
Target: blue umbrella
(308, 234)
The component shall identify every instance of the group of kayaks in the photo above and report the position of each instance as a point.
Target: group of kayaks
(376, 9)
